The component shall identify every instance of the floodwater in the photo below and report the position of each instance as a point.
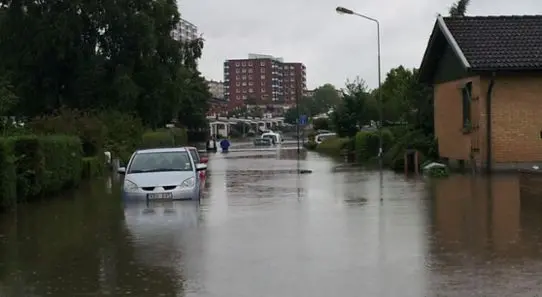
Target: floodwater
(264, 230)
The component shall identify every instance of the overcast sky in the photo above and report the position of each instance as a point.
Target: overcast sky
(333, 47)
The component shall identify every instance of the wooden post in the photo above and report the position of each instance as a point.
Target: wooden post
(405, 158)
(416, 162)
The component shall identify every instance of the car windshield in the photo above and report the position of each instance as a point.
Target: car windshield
(160, 161)
(270, 137)
(195, 155)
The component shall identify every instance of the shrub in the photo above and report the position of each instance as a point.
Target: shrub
(333, 146)
(123, 135)
(180, 136)
(8, 175)
(367, 143)
(46, 164)
(92, 167)
(321, 124)
(417, 140)
(62, 162)
(65, 121)
(157, 139)
(29, 166)
(310, 145)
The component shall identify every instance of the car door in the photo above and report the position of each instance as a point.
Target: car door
(202, 174)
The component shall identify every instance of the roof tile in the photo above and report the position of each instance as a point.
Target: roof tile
(499, 42)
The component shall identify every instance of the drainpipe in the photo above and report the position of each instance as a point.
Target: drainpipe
(488, 126)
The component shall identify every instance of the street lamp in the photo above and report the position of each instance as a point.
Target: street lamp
(342, 10)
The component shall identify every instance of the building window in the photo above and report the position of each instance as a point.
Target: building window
(467, 100)
(249, 63)
(237, 64)
(238, 84)
(237, 70)
(251, 90)
(262, 90)
(244, 84)
(250, 83)
(262, 77)
(237, 77)
(250, 70)
(262, 63)
(262, 83)
(244, 77)
(238, 97)
(244, 64)
(250, 77)
(262, 70)
(244, 70)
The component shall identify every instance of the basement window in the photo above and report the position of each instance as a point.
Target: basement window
(467, 101)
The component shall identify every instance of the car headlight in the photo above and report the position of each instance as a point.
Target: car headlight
(188, 183)
(129, 186)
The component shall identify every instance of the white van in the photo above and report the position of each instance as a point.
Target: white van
(323, 136)
(275, 138)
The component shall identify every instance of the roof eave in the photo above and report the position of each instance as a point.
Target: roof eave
(451, 40)
(440, 25)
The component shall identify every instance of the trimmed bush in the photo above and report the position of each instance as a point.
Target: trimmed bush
(62, 162)
(164, 138)
(45, 164)
(367, 144)
(8, 175)
(333, 146)
(87, 126)
(310, 145)
(29, 166)
(92, 167)
(123, 135)
(180, 136)
(157, 139)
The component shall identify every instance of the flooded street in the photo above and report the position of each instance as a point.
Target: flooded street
(265, 230)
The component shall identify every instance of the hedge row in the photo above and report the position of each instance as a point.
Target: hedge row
(164, 138)
(35, 166)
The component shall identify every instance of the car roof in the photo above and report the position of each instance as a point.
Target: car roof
(161, 150)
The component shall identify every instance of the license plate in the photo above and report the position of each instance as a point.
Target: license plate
(157, 196)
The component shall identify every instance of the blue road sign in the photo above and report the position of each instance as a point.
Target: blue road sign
(303, 120)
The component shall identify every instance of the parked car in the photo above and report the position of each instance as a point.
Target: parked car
(262, 142)
(323, 136)
(162, 174)
(199, 160)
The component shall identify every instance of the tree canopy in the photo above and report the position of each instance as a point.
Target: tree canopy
(459, 8)
(101, 55)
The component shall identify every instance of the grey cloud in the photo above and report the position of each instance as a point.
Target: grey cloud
(333, 47)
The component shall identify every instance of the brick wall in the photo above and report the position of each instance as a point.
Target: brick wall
(516, 120)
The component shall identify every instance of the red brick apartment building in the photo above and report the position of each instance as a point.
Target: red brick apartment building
(486, 73)
(263, 80)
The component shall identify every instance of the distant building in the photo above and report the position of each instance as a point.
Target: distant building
(185, 31)
(263, 80)
(216, 88)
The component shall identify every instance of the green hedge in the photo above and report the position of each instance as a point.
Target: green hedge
(334, 146)
(33, 166)
(93, 167)
(367, 144)
(8, 175)
(164, 138)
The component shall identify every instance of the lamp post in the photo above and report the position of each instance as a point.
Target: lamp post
(343, 10)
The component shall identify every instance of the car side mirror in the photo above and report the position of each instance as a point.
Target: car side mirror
(204, 160)
(121, 170)
(201, 166)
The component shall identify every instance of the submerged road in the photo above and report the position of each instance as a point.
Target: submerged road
(263, 230)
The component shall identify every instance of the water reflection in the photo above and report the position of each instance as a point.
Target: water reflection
(264, 230)
(483, 239)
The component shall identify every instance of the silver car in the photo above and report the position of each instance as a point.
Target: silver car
(162, 174)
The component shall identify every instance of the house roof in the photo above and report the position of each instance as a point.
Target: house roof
(487, 43)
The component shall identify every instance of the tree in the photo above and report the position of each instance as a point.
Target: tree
(459, 8)
(356, 109)
(323, 99)
(116, 55)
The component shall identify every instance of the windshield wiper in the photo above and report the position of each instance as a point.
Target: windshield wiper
(163, 169)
